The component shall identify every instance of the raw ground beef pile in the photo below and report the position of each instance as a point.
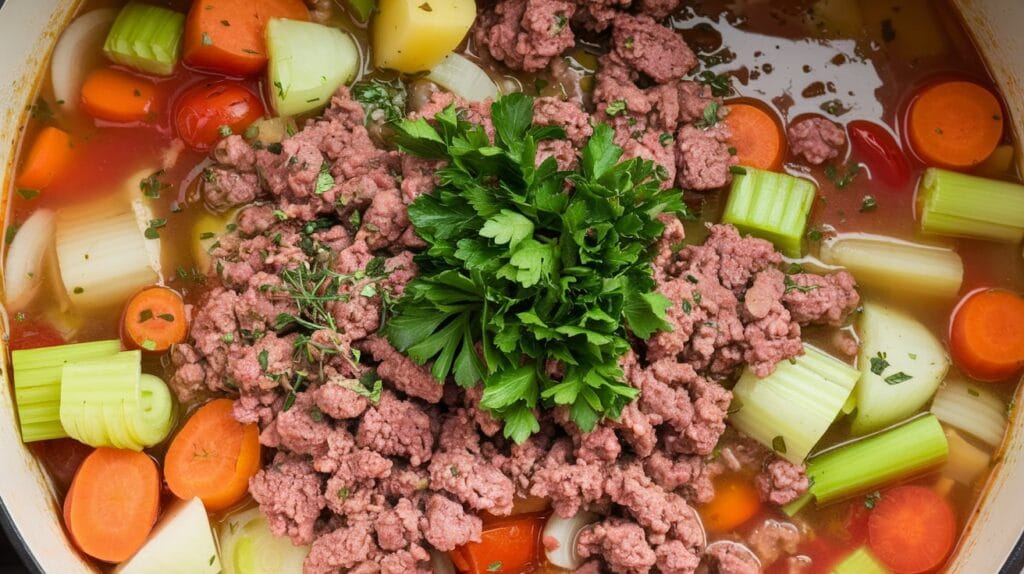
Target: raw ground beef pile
(374, 475)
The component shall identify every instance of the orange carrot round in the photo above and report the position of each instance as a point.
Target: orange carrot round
(213, 457)
(955, 124)
(154, 319)
(911, 529)
(986, 337)
(48, 156)
(113, 503)
(756, 136)
(115, 96)
(736, 501)
(228, 35)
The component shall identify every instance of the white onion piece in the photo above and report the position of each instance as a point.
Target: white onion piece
(441, 563)
(972, 409)
(464, 79)
(77, 53)
(565, 531)
(24, 270)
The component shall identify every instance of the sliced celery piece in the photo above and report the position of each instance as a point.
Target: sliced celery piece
(308, 63)
(964, 205)
(773, 206)
(789, 410)
(109, 402)
(37, 376)
(972, 409)
(147, 38)
(902, 363)
(860, 561)
(913, 447)
(894, 266)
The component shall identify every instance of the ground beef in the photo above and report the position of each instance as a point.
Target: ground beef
(651, 49)
(344, 548)
(621, 544)
(727, 557)
(827, 299)
(817, 139)
(446, 524)
(566, 115)
(597, 15)
(772, 539)
(338, 400)
(781, 482)
(703, 157)
(289, 494)
(473, 481)
(397, 428)
(659, 10)
(404, 374)
(526, 34)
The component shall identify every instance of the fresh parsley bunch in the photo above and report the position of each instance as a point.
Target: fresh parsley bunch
(528, 264)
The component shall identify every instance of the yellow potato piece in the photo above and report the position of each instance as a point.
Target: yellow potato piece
(415, 35)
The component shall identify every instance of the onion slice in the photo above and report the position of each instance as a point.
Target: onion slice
(565, 531)
(464, 79)
(77, 52)
(24, 270)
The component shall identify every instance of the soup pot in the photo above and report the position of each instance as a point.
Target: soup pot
(30, 511)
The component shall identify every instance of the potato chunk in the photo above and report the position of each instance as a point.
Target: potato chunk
(415, 35)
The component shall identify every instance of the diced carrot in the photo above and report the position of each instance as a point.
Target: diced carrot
(735, 502)
(115, 96)
(756, 136)
(955, 124)
(213, 457)
(911, 529)
(48, 156)
(113, 503)
(510, 545)
(986, 337)
(154, 319)
(228, 35)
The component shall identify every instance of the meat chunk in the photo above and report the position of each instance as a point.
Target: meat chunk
(526, 34)
(343, 549)
(703, 157)
(728, 557)
(289, 494)
(403, 374)
(817, 139)
(446, 524)
(821, 299)
(781, 482)
(473, 481)
(620, 543)
(397, 428)
(651, 49)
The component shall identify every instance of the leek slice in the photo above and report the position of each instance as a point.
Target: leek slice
(248, 547)
(182, 543)
(147, 38)
(37, 384)
(464, 79)
(308, 63)
(894, 266)
(790, 410)
(109, 402)
(860, 561)
(23, 273)
(902, 364)
(772, 206)
(964, 205)
(900, 452)
(566, 531)
(77, 53)
(972, 409)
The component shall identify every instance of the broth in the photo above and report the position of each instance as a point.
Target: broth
(776, 53)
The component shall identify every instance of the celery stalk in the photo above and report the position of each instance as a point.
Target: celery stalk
(773, 206)
(147, 38)
(37, 376)
(964, 205)
(900, 452)
(860, 561)
(791, 409)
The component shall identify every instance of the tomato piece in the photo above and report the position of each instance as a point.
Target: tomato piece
(204, 113)
(879, 150)
(33, 334)
(510, 546)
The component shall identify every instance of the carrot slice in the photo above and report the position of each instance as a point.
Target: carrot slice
(113, 503)
(511, 544)
(955, 124)
(213, 457)
(48, 156)
(757, 137)
(912, 529)
(116, 96)
(154, 319)
(736, 501)
(986, 337)
(228, 35)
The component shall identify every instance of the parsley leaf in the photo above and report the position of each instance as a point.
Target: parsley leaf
(324, 180)
(527, 264)
(879, 364)
(381, 101)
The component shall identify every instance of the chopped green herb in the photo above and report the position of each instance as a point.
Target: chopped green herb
(719, 83)
(791, 285)
(709, 118)
(779, 444)
(224, 131)
(737, 170)
(898, 378)
(153, 185)
(879, 364)
(263, 359)
(615, 108)
(872, 499)
(324, 180)
(494, 566)
(868, 204)
(28, 194)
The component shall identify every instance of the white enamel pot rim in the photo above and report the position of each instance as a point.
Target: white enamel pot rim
(28, 508)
